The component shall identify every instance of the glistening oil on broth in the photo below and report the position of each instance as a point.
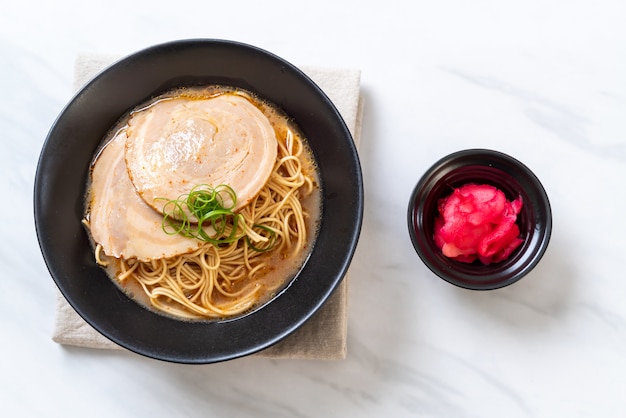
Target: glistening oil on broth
(278, 266)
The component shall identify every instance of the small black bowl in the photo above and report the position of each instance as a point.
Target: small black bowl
(61, 178)
(480, 166)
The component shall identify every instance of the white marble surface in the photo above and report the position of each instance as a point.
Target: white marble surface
(541, 80)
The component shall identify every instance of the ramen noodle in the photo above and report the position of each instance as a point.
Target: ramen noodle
(223, 142)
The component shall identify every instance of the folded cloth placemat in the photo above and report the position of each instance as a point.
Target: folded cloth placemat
(324, 335)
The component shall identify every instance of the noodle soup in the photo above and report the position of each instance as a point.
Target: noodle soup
(187, 264)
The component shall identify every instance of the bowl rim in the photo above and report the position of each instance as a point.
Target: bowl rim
(478, 277)
(226, 339)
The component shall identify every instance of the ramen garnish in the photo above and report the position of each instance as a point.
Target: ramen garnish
(203, 203)
(477, 222)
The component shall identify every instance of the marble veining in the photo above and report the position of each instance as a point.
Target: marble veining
(558, 118)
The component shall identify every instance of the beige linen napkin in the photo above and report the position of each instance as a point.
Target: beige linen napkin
(324, 335)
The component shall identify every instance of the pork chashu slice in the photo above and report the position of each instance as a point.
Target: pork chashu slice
(177, 144)
(121, 221)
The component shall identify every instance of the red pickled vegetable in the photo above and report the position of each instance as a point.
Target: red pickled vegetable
(478, 222)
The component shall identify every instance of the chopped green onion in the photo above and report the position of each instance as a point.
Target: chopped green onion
(271, 240)
(203, 207)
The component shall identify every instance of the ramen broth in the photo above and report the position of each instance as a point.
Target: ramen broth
(281, 265)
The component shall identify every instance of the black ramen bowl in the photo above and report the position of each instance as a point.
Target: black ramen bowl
(64, 164)
(480, 166)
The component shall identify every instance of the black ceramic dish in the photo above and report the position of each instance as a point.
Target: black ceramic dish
(64, 164)
(483, 167)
